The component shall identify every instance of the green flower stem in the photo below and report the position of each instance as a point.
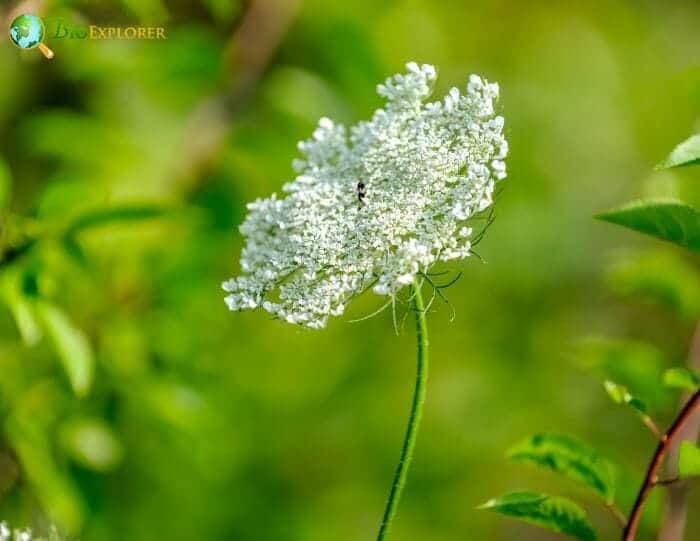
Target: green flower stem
(409, 442)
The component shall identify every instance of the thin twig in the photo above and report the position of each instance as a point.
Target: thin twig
(667, 482)
(676, 513)
(677, 481)
(653, 427)
(616, 513)
(652, 475)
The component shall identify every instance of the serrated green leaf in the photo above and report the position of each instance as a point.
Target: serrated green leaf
(621, 395)
(71, 345)
(668, 220)
(686, 153)
(682, 378)
(569, 457)
(119, 213)
(688, 460)
(549, 512)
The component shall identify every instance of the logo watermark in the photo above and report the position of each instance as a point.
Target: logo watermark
(63, 29)
(28, 31)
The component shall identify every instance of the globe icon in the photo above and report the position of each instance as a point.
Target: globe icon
(27, 31)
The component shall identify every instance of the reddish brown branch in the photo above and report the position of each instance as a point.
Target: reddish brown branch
(668, 482)
(676, 513)
(652, 475)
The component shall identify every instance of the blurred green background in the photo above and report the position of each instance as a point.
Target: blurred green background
(135, 406)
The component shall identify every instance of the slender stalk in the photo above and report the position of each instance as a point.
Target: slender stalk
(676, 512)
(617, 514)
(414, 419)
(653, 427)
(668, 482)
(652, 475)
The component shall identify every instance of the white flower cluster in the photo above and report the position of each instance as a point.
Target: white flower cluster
(373, 205)
(24, 535)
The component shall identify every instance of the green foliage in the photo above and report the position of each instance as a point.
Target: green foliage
(26, 430)
(549, 512)
(632, 364)
(114, 215)
(118, 216)
(71, 344)
(669, 220)
(5, 184)
(682, 378)
(92, 443)
(620, 395)
(569, 457)
(223, 10)
(686, 153)
(53, 535)
(688, 460)
(661, 277)
(21, 307)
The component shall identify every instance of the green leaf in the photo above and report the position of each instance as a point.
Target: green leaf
(549, 512)
(688, 460)
(570, 458)
(668, 220)
(74, 250)
(71, 345)
(682, 378)
(621, 395)
(662, 277)
(636, 365)
(28, 430)
(686, 153)
(21, 308)
(121, 213)
(92, 443)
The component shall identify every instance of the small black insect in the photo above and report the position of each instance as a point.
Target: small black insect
(361, 192)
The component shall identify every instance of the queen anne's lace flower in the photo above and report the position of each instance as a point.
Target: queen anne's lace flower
(426, 169)
(24, 535)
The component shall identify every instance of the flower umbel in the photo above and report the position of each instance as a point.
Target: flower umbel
(426, 169)
(25, 535)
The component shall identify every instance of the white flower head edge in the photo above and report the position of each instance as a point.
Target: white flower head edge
(24, 535)
(375, 204)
